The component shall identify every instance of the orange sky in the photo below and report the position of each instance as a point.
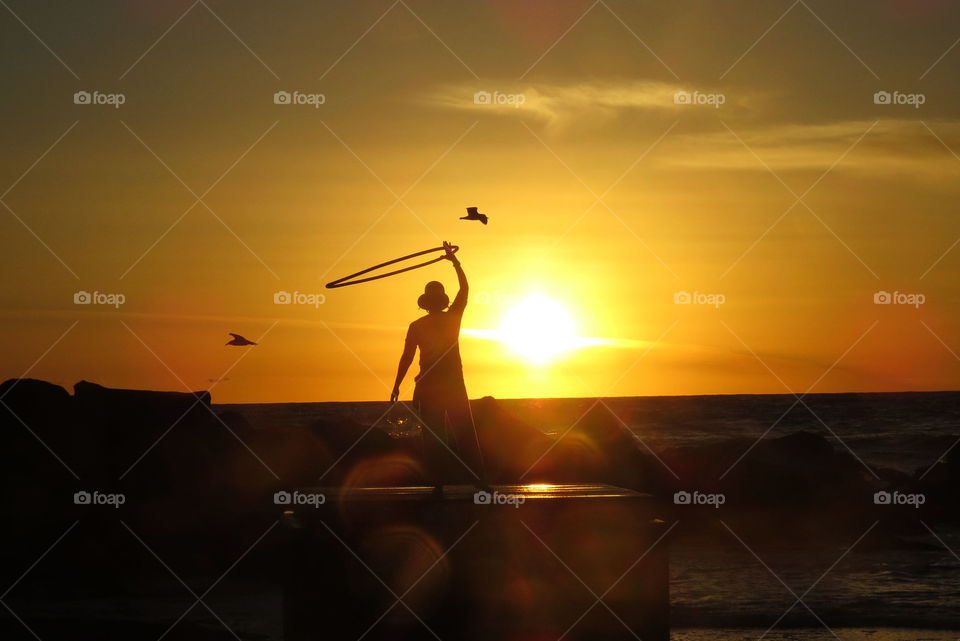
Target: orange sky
(797, 199)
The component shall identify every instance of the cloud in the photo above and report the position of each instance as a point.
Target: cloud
(898, 146)
(893, 145)
(560, 105)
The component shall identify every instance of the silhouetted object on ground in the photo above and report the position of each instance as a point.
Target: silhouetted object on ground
(452, 449)
(169, 446)
(195, 491)
(239, 340)
(473, 214)
(471, 566)
(349, 280)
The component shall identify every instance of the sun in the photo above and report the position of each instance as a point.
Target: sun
(538, 329)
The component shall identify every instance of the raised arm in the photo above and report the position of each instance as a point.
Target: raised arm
(460, 302)
(409, 350)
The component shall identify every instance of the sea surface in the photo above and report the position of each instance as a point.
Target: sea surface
(902, 431)
(732, 588)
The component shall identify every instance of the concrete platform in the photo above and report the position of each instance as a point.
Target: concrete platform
(517, 562)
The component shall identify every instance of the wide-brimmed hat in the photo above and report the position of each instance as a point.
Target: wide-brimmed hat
(433, 297)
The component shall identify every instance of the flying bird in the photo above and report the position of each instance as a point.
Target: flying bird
(239, 340)
(473, 214)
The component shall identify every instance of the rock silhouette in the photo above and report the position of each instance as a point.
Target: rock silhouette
(193, 484)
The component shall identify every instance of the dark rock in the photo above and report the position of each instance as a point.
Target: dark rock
(510, 447)
(40, 452)
(26, 393)
(33, 411)
(237, 422)
(164, 406)
(154, 441)
(939, 486)
(347, 443)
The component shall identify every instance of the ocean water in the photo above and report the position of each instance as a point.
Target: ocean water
(720, 589)
(902, 431)
(725, 585)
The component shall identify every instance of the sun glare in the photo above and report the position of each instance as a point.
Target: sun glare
(538, 329)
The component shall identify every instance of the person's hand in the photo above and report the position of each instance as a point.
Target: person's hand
(395, 395)
(449, 255)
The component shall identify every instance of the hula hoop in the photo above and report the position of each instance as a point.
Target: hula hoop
(347, 280)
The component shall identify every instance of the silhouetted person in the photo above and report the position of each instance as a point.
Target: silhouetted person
(440, 396)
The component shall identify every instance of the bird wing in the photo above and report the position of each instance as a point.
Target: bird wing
(235, 335)
(483, 218)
